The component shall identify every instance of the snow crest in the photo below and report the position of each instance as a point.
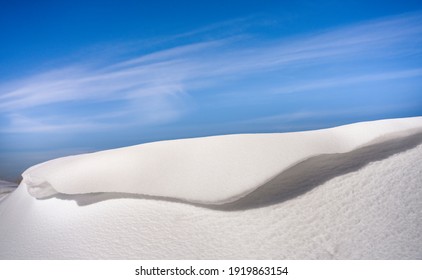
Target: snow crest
(208, 170)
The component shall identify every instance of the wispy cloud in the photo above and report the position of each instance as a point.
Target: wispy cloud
(343, 81)
(160, 87)
(21, 123)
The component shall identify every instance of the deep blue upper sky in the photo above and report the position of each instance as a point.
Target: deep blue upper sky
(80, 76)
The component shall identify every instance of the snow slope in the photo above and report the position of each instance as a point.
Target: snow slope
(212, 170)
(361, 204)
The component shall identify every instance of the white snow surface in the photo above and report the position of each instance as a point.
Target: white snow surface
(210, 170)
(364, 203)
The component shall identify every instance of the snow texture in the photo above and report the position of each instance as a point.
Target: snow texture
(210, 170)
(361, 204)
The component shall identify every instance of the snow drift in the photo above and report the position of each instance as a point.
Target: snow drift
(351, 192)
(210, 170)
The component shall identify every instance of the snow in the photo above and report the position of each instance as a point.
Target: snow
(362, 203)
(209, 170)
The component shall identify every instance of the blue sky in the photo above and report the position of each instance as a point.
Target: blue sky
(78, 77)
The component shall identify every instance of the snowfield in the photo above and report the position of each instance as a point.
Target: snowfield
(350, 192)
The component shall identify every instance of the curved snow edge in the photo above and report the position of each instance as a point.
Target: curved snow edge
(208, 170)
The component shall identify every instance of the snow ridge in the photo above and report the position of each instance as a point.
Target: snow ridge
(208, 170)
